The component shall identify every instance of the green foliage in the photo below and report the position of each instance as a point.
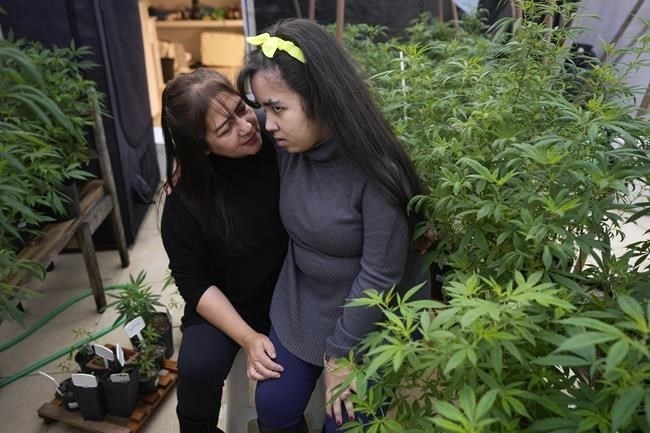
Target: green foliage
(66, 85)
(520, 357)
(135, 299)
(10, 296)
(42, 120)
(149, 351)
(532, 165)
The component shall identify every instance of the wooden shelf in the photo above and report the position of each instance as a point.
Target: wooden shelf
(207, 24)
(98, 200)
(95, 206)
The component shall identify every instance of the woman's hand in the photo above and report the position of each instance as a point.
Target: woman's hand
(260, 353)
(334, 376)
(426, 240)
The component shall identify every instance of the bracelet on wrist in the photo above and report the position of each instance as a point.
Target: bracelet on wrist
(334, 370)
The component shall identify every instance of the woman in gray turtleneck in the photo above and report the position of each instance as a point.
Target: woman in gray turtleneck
(345, 182)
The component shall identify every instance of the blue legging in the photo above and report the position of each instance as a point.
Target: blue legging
(281, 402)
(204, 361)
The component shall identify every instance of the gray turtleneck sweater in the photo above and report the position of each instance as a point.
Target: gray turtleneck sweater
(345, 238)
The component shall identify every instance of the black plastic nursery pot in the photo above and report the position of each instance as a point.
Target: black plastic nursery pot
(91, 402)
(149, 385)
(67, 395)
(163, 325)
(84, 355)
(122, 397)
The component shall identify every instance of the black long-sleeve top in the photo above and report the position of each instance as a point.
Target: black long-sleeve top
(251, 186)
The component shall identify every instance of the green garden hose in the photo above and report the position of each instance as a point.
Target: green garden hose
(30, 369)
(17, 339)
(24, 372)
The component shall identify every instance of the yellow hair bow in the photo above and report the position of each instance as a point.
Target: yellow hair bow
(270, 44)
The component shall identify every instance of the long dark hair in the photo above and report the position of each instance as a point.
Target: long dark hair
(191, 173)
(334, 94)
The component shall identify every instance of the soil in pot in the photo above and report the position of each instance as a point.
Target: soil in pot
(96, 364)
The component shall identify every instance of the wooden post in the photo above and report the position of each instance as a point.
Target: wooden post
(312, 10)
(624, 25)
(632, 42)
(296, 8)
(441, 12)
(85, 240)
(109, 182)
(516, 13)
(645, 103)
(548, 20)
(454, 13)
(340, 19)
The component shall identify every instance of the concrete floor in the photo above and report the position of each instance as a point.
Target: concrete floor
(20, 400)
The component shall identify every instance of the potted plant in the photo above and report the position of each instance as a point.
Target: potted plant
(148, 373)
(149, 360)
(66, 394)
(63, 391)
(528, 162)
(108, 381)
(136, 298)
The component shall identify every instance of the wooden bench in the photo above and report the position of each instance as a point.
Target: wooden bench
(98, 200)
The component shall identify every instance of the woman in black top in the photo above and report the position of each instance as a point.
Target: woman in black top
(223, 236)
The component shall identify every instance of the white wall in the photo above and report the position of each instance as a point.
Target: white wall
(610, 15)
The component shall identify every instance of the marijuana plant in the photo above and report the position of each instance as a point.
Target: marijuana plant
(529, 161)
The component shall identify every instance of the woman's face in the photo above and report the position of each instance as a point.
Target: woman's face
(233, 133)
(285, 117)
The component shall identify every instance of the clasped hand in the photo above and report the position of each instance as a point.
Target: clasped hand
(260, 355)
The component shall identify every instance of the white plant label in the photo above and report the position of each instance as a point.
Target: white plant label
(135, 327)
(84, 380)
(120, 354)
(53, 380)
(105, 353)
(120, 377)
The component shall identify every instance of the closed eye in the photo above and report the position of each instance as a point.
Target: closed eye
(225, 130)
(241, 109)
